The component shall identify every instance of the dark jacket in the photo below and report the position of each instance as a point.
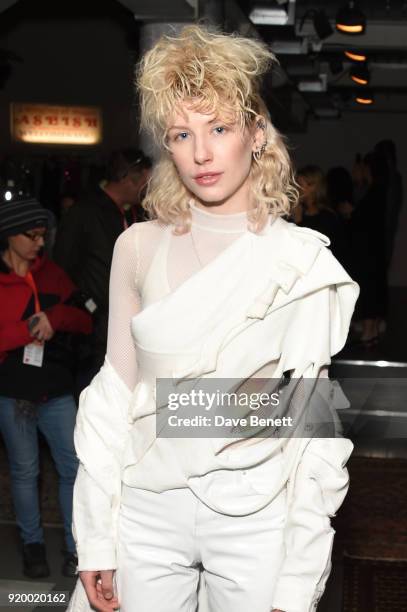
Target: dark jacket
(368, 232)
(328, 223)
(54, 288)
(84, 249)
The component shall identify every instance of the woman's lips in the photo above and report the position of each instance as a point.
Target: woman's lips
(208, 179)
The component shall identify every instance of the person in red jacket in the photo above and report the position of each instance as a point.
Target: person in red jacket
(38, 321)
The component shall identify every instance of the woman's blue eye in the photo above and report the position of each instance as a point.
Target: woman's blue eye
(181, 136)
(220, 130)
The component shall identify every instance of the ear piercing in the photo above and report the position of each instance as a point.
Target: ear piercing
(259, 152)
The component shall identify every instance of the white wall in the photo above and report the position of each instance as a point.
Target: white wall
(335, 143)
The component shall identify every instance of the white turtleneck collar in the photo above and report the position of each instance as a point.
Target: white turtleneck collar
(216, 222)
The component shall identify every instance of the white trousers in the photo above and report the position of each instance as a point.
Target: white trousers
(167, 539)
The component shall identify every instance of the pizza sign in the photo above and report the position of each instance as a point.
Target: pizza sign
(41, 123)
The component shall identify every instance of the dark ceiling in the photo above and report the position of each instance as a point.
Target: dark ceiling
(384, 41)
(316, 64)
(321, 64)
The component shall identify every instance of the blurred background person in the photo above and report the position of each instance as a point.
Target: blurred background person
(67, 200)
(85, 242)
(135, 212)
(313, 210)
(36, 383)
(358, 174)
(394, 200)
(339, 186)
(369, 248)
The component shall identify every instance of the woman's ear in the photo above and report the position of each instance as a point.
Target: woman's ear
(259, 134)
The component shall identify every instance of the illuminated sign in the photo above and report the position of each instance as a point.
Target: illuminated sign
(43, 123)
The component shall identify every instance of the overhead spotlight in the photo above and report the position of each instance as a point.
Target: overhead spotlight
(350, 19)
(360, 74)
(356, 56)
(366, 98)
(321, 24)
(281, 15)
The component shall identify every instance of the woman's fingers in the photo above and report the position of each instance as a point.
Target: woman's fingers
(42, 331)
(92, 582)
(108, 602)
(106, 577)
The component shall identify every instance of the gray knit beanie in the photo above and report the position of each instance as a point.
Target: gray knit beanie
(18, 216)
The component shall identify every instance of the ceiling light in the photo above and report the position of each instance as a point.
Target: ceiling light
(350, 19)
(266, 15)
(365, 98)
(269, 16)
(356, 56)
(360, 74)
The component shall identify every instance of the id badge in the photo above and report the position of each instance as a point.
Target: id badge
(33, 354)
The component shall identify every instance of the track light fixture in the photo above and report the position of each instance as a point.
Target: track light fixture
(350, 19)
(355, 55)
(360, 74)
(366, 98)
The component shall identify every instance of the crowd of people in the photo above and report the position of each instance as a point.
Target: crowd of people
(54, 290)
(359, 212)
(53, 333)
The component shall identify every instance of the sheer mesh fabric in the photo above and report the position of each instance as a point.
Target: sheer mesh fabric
(135, 249)
(125, 296)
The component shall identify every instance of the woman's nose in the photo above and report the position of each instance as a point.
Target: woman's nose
(202, 152)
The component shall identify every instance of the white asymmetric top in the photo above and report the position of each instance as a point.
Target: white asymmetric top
(218, 301)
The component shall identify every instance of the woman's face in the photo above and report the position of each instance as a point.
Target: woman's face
(28, 244)
(213, 158)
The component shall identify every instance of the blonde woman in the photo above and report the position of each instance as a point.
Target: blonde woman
(217, 287)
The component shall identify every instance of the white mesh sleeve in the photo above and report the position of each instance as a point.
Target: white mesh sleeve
(124, 303)
(92, 514)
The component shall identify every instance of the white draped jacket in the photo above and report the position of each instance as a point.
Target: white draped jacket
(276, 297)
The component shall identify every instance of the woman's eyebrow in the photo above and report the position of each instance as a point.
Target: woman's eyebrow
(183, 127)
(178, 127)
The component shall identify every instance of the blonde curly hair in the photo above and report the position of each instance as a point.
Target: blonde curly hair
(219, 72)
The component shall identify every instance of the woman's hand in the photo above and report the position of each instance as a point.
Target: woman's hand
(99, 589)
(42, 330)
